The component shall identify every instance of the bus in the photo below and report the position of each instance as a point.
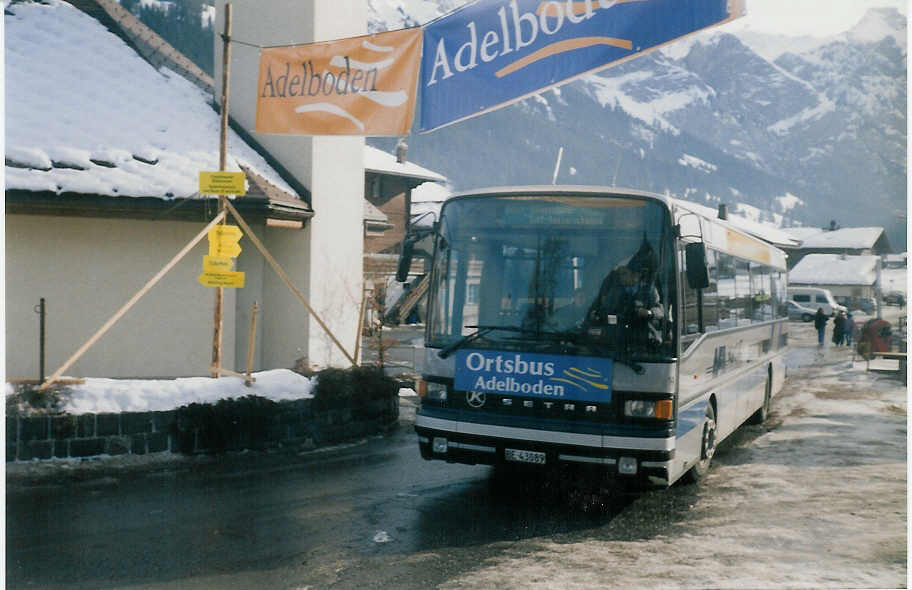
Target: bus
(606, 328)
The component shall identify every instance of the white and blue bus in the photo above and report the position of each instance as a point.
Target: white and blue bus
(601, 327)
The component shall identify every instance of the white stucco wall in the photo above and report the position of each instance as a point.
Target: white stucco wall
(325, 259)
(87, 269)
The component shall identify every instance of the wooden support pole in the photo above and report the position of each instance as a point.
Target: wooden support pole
(222, 371)
(360, 323)
(281, 272)
(223, 160)
(107, 325)
(251, 343)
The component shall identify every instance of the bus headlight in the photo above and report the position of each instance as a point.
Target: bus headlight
(661, 409)
(433, 391)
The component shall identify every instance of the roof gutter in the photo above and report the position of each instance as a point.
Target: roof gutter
(258, 209)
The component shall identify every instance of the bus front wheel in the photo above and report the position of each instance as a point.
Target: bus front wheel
(707, 447)
(762, 413)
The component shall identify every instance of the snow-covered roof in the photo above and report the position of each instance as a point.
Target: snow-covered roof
(86, 114)
(767, 233)
(431, 192)
(834, 269)
(802, 233)
(847, 237)
(894, 280)
(376, 160)
(372, 214)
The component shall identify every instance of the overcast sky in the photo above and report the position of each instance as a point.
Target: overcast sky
(819, 18)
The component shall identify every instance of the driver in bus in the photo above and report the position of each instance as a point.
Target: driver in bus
(629, 299)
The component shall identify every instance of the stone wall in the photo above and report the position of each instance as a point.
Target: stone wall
(139, 433)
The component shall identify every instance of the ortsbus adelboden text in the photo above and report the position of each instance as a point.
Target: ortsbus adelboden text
(618, 330)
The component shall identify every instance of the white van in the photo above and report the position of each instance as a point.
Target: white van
(815, 297)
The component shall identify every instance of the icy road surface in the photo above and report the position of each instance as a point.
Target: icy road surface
(815, 499)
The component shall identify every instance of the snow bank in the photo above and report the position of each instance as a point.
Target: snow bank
(98, 395)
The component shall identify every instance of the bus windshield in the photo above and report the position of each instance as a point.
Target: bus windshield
(568, 274)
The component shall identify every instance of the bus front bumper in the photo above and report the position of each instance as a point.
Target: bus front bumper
(639, 458)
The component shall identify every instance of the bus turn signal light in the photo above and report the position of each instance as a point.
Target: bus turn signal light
(664, 409)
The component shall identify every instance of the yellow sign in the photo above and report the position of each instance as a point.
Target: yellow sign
(217, 264)
(223, 241)
(222, 279)
(222, 183)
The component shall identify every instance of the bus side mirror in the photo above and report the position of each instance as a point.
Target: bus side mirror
(405, 259)
(697, 272)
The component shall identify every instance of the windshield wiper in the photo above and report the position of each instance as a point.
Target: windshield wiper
(468, 338)
(480, 331)
(626, 360)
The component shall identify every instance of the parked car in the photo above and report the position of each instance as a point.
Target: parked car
(815, 297)
(800, 312)
(895, 298)
(868, 305)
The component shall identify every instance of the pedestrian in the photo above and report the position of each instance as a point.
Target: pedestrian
(850, 329)
(838, 328)
(820, 321)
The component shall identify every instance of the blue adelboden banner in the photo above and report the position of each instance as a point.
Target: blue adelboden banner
(552, 377)
(493, 52)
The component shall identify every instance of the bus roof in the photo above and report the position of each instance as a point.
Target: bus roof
(722, 235)
(716, 233)
(561, 189)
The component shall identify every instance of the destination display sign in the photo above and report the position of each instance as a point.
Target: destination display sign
(556, 377)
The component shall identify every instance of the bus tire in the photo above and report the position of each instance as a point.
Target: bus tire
(762, 413)
(707, 447)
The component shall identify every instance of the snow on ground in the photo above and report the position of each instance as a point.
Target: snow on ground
(101, 395)
(815, 499)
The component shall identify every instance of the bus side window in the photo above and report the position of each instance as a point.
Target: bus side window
(690, 318)
(779, 294)
(690, 326)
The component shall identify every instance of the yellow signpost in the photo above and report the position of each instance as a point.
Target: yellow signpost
(223, 248)
(223, 241)
(222, 183)
(222, 279)
(217, 264)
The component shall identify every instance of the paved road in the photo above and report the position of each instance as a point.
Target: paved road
(374, 515)
(342, 517)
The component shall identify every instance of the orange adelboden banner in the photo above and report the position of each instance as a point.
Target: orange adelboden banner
(358, 86)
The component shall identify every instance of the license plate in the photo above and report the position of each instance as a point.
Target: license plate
(524, 456)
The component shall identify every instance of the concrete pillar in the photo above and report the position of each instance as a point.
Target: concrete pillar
(325, 258)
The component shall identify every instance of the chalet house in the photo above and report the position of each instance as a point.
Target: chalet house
(848, 277)
(851, 241)
(389, 182)
(102, 191)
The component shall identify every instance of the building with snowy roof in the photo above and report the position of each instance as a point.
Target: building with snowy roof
(102, 190)
(846, 276)
(853, 241)
(389, 184)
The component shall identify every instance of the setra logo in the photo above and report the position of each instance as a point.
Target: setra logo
(476, 399)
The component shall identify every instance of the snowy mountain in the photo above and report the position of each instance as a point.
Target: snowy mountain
(796, 137)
